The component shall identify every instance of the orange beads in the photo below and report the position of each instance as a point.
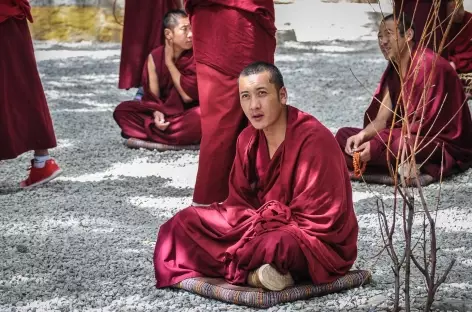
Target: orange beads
(359, 166)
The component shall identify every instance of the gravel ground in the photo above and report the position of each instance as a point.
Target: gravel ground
(84, 242)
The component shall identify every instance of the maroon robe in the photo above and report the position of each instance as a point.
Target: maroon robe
(228, 36)
(460, 49)
(421, 12)
(295, 210)
(454, 135)
(142, 32)
(136, 119)
(25, 122)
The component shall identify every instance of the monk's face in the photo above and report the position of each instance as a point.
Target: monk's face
(261, 102)
(458, 15)
(181, 35)
(392, 44)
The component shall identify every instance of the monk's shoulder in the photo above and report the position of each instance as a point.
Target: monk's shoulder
(312, 131)
(245, 136)
(158, 52)
(429, 60)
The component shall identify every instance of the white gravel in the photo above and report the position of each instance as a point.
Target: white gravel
(85, 241)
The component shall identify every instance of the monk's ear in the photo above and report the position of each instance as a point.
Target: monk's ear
(283, 95)
(168, 33)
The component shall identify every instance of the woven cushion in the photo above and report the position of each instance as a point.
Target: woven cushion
(378, 178)
(219, 289)
(467, 81)
(136, 143)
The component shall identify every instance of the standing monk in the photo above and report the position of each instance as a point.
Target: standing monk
(25, 123)
(289, 216)
(429, 24)
(460, 48)
(229, 35)
(169, 112)
(446, 123)
(142, 32)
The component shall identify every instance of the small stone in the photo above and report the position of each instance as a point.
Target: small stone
(21, 248)
(378, 300)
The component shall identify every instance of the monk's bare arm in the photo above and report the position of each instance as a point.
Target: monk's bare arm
(380, 121)
(153, 78)
(175, 74)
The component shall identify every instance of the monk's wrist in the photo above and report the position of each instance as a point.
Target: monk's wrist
(169, 61)
(364, 136)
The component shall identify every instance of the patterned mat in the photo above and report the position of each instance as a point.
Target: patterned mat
(467, 81)
(137, 143)
(219, 289)
(377, 178)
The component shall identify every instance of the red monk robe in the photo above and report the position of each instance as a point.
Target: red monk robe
(451, 121)
(228, 35)
(460, 49)
(142, 32)
(295, 210)
(136, 120)
(421, 13)
(25, 122)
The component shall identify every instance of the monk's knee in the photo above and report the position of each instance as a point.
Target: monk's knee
(395, 146)
(119, 115)
(343, 134)
(282, 243)
(288, 254)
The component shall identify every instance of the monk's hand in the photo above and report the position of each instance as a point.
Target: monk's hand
(364, 149)
(169, 51)
(453, 65)
(159, 121)
(353, 143)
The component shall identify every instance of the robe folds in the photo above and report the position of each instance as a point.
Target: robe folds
(228, 35)
(25, 121)
(449, 124)
(421, 12)
(142, 32)
(295, 210)
(460, 48)
(136, 120)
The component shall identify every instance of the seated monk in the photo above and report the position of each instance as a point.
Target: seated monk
(169, 111)
(448, 125)
(290, 200)
(460, 46)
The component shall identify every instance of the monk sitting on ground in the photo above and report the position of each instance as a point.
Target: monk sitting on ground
(446, 122)
(460, 47)
(169, 111)
(289, 215)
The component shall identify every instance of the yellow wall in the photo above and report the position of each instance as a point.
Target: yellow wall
(73, 23)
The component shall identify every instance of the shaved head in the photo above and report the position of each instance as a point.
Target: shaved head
(403, 22)
(171, 19)
(275, 76)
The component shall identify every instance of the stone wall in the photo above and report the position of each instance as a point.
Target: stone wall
(77, 20)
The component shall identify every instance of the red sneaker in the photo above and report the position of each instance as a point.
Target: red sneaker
(38, 176)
